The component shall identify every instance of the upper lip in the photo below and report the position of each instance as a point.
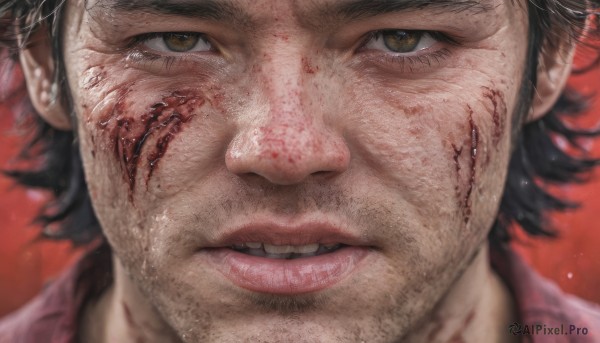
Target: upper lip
(299, 233)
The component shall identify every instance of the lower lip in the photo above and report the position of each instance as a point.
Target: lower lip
(287, 277)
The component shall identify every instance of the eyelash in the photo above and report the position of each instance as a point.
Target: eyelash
(145, 56)
(424, 60)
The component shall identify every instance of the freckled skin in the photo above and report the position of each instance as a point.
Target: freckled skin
(307, 67)
(292, 122)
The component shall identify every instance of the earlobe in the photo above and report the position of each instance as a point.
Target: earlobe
(552, 76)
(38, 69)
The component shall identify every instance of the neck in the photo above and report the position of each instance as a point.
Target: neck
(125, 316)
(477, 308)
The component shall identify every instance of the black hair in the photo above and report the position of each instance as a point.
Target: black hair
(536, 160)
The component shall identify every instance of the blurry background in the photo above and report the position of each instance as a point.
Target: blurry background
(26, 264)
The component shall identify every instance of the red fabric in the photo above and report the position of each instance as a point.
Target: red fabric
(541, 304)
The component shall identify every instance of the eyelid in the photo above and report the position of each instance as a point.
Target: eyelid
(144, 39)
(375, 41)
(423, 60)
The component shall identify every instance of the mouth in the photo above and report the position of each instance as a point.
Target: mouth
(287, 259)
(287, 252)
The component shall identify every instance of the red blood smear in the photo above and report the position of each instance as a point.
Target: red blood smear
(499, 113)
(165, 119)
(474, 145)
(457, 153)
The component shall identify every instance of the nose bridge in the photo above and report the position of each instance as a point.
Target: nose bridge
(284, 86)
(288, 127)
(289, 139)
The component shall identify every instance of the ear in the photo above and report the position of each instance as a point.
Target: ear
(38, 69)
(552, 75)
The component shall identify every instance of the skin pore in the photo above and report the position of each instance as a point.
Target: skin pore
(287, 112)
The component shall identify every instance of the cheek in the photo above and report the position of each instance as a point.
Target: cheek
(93, 77)
(471, 148)
(130, 134)
(482, 150)
(435, 148)
(135, 128)
(496, 105)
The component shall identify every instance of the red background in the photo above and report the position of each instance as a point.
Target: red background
(25, 265)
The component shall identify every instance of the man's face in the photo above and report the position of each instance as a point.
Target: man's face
(379, 133)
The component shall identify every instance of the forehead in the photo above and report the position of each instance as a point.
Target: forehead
(310, 12)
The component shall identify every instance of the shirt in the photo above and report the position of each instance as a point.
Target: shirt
(545, 313)
(53, 316)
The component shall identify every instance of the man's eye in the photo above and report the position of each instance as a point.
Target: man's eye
(400, 41)
(177, 42)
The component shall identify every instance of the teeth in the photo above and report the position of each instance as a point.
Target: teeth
(278, 249)
(307, 249)
(284, 251)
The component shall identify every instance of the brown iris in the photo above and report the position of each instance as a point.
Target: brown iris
(181, 42)
(401, 41)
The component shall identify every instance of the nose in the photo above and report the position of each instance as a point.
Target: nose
(291, 138)
(286, 154)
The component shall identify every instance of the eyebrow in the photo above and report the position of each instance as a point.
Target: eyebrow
(199, 9)
(227, 10)
(358, 9)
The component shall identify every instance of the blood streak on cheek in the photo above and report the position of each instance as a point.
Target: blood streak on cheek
(473, 144)
(457, 153)
(472, 171)
(496, 97)
(131, 132)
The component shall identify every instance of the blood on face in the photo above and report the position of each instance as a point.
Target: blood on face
(472, 142)
(499, 112)
(140, 140)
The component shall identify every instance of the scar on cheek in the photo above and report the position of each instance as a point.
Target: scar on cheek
(130, 132)
(499, 112)
(473, 143)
